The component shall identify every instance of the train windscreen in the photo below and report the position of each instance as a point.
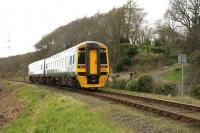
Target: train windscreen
(103, 58)
(81, 56)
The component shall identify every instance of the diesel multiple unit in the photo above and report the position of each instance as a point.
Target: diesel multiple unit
(85, 65)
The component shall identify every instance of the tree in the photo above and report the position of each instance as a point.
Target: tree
(134, 17)
(186, 14)
(168, 36)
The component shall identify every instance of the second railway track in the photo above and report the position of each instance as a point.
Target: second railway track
(175, 110)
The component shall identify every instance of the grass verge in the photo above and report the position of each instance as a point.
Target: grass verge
(46, 111)
(173, 75)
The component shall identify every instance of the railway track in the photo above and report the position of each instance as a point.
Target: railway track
(169, 109)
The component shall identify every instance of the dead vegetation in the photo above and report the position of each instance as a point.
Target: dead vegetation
(9, 107)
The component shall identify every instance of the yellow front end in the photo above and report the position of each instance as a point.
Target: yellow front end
(83, 82)
(92, 66)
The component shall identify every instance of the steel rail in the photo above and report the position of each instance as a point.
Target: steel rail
(155, 100)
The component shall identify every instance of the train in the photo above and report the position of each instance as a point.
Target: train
(85, 65)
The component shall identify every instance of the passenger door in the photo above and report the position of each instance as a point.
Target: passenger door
(93, 61)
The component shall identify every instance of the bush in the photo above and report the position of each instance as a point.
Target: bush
(166, 89)
(158, 88)
(171, 62)
(131, 85)
(117, 83)
(170, 89)
(195, 91)
(121, 64)
(145, 84)
(157, 50)
(157, 43)
(132, 51)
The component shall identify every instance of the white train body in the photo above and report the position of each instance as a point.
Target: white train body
(61, 64)
(85, 64)
(37, 68)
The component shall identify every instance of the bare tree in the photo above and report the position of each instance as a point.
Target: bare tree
(134, 17)
(186, 13)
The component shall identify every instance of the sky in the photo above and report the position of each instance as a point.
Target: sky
(24, 22)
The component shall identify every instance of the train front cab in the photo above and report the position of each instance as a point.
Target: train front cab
(92, 65)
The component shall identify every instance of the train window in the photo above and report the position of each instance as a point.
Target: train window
(81, 49)
(70, 60)
(73, 58)
(62, 62)
(103, 58)
(81, 57)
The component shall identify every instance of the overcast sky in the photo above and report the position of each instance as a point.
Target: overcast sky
(28, 20)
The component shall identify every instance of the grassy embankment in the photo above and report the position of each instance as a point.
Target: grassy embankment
(174, 75)
(46, 111)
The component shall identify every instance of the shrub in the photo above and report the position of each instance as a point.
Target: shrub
(157, 50)
(171, 62)
(170, 89)
(157, 43)
(121, 64)
(131, 85)
(165, 89)
(132, 51)
(158, 88)
(117, 83)
(145, 84)
(195, 91)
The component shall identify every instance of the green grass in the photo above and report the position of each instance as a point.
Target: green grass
(46, 111)
(173, 75)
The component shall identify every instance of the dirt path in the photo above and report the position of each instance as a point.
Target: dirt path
(9, 107)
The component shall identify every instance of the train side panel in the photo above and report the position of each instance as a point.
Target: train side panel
(36, 70)
(61, 64)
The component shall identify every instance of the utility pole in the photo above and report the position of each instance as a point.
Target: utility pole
(8, 44)
(182, 60)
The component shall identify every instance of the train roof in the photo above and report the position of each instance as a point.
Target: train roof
(37, 62)
(76, 46)
(89, 43)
